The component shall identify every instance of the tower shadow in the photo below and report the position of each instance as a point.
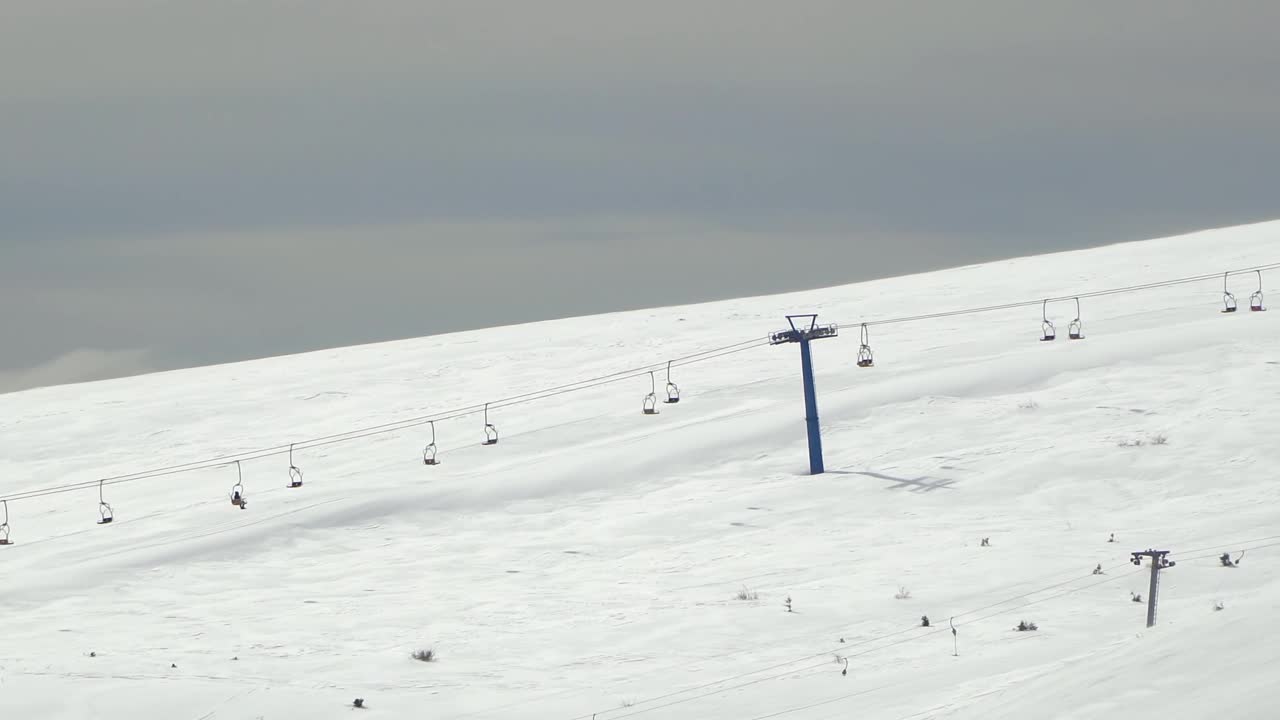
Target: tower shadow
(922, 484)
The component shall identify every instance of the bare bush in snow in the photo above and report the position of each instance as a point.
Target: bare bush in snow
(427, 655)
(902, 594)
(745, 593)
(1157, 439)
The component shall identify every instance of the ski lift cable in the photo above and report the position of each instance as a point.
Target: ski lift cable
(545, 393)
(396, 426)
(995, 613)
(942, 630)
(220, 498)
(788, 711)
(1225, 546)
(826, 662)
(826, 653)
(1085, 295)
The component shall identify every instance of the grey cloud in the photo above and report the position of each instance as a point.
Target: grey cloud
(81, 365)
(225, 180)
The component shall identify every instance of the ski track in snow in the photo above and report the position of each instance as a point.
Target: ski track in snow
(589, 563)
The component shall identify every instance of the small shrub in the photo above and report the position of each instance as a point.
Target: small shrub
(924, 621)
(1135, 597)
(358, 703)
(902, 594)
(747, 594)
(1157, 439)
(1029, 404)
(428, 655)
(1024, 626)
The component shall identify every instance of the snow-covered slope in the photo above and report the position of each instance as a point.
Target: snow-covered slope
(588, 564)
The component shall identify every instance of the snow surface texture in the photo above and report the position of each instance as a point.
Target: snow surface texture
(590, 563)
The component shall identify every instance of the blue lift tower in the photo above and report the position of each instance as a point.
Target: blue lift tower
(805, 328)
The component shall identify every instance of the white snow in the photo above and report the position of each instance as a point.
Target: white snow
(588, 564)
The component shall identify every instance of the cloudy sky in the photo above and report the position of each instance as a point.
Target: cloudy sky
(187, 182)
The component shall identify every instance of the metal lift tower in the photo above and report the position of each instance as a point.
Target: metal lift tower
(805, 328)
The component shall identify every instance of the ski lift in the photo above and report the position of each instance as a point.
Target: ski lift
(295, 472)
(237, 490)
(1255, 300)
(865, 358)
(1075, 330)
(104, 508)
(1228, 300)
(429, 453)
(651, 400)
(673, 392)
(4, 526)
(490, 432)
(1047, 331)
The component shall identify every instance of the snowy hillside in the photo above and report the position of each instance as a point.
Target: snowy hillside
(590, 563)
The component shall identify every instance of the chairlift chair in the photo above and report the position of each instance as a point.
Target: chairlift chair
(4, 526)
(1048, 332)
(866, 358)
(104, 508)
(673, 392)
(1075, 330)
(1255, 300)
(429, 453)
(650, 405)
(1228, 300)
(490, 431)
(295, 472)
(237, 490)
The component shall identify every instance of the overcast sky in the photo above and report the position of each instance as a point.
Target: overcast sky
(194, 182)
